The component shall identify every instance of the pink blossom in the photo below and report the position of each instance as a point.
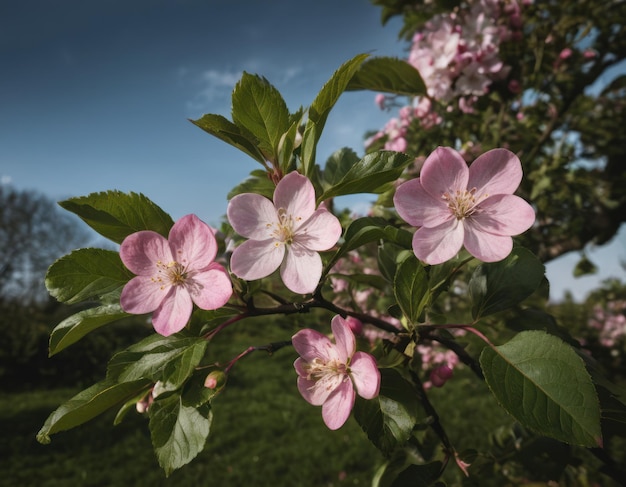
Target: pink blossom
(287, 233)
(457, 206)
(328, 373)
(174, 273)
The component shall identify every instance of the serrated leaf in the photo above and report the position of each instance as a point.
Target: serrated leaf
(321, 107)
(388, 75)
(88, 404)
(86, 274)
(370, 174)
(178, 432)
(115, 215)
(410, 288)
(73, 328)
(260, 108)
(170, 360)
(543, 383)
(389, 419)
(227, 131)
(338, 165)
(500, 285)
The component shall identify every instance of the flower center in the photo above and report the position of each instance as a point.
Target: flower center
(284, 231)
(464, 203)
(172, 274)
(317, 369)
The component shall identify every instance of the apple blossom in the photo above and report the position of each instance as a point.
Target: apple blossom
(328, 373)
(287, 233)
(173, 273)
(456, 206)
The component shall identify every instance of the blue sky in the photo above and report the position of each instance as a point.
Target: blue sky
(95, 95)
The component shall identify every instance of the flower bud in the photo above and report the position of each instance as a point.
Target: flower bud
(215, 380)
(440, 375)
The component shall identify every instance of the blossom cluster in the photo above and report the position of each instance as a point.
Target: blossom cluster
(610, 322)
(452, 205)
(458, 56)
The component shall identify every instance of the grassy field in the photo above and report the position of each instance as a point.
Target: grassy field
(263, 434)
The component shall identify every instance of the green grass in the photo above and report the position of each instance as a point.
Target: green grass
(263, 434)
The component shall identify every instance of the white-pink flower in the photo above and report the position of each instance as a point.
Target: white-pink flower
(456, 206)
(287, 233)
(173, 273)
(328, 373)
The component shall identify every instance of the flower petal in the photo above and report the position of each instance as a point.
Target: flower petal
(142, 295)
(336, 409)
(419, 208)
(174, 312)
(210, 289)
(438, 244)
(320, 232)
(252, 215)
(317, 392)
(365, 375)
(296, 195)
(444, 171)
(255, 259)
(141, 251)
(192, 242)
(504, 214)
(344, 338)
(301, 270)
(498, 171)
(486, 246)
(311, 344)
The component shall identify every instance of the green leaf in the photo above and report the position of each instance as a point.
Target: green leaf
(388, 75)
(338, 165)
(401, 472)
(260, 108)
(86, 274)
(178, 432)
(500, 285)
(170, 360)
(321, 107)
(258, 182)
(225, 130)
(73, 328)
(390, 255)
(360, 232)
(88, 404)
(411, 288)
(369, 174)
(115, 215)
(585, 267)
(388, 419)
(543, 383)
(287, 144)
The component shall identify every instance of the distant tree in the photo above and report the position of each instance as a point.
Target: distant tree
(541, 78)
(33, 233)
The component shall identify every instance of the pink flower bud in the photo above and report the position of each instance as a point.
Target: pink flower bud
(355, 325)
(215, 380)
(440, 375)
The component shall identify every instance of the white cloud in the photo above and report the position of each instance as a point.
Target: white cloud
(214, 86)
(4, 179)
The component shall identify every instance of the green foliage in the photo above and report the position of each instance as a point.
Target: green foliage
(498, 286)
(411, 288)
(115, 215)
(388, 75)
(389, 419)
(543, 383)
(73, 328)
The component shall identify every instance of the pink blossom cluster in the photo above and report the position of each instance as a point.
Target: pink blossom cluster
(458, 56)
(457, 53)
(610, 321)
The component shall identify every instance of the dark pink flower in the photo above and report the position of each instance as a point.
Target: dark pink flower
(328, 373)
(173, 273)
